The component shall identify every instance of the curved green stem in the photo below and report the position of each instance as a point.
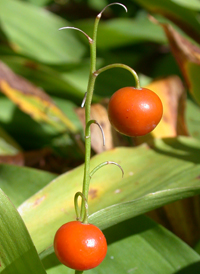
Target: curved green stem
(118, 65)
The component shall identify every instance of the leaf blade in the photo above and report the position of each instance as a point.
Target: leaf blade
(23, 258)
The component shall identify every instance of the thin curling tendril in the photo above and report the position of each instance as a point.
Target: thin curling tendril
(104, 164)
(102, 132)
(111, 4)
(88, 37)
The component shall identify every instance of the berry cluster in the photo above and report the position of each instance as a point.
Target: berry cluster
(132, 112)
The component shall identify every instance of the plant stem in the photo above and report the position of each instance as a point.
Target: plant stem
(90, 89)
(78, 272)
(92, 77)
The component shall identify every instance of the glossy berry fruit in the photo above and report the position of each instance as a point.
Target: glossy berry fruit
(80, 246)
(134, 112)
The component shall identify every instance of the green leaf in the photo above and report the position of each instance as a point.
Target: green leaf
(18, 254)
(31, 135)
(33, 31)
(8, 146)
(169, 164)
(97, 4)
(19, 183)
(142, 246)
(39, 2)
(116, 213)
(139, 246)
(34, 135)
(186, 19)
(192, 71)
(124, 31)
(193, 4)
(197, 247)
(193, 118)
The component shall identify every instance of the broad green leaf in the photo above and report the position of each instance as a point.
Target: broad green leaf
(31, 135)
(19, 183)
(97, 4)
(139, 246)
(192, 70)
(124, 31)
(18, 254)
(39, 2)
(116, 213)
(170, 164)
(35, 135)
(197, 247)
(193, 4)
(193, 118)
(186, 19)
(33, 31)
(8, 146)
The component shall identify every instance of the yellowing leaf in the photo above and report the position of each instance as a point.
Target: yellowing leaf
(172, 94)
(33, 100)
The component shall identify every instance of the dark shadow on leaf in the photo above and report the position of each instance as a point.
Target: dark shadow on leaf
(190, 269)
(50, 261)
(186, 151)
(127, 228)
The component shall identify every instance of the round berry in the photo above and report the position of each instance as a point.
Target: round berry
(80, 246)
(134, 112)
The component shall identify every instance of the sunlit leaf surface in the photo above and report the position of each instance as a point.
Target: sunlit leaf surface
(178, 162)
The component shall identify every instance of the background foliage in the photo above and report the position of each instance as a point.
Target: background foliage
(43, 78)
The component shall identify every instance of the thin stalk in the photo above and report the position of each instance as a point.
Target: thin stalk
(88, 101)
(78, 272)
(118, 65)
(92, 77)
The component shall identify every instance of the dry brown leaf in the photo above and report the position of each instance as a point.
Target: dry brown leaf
(181, 217)
(98, 113)
(187, 55)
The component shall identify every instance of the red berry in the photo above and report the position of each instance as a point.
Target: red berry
(134, 112)
(80, 246)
